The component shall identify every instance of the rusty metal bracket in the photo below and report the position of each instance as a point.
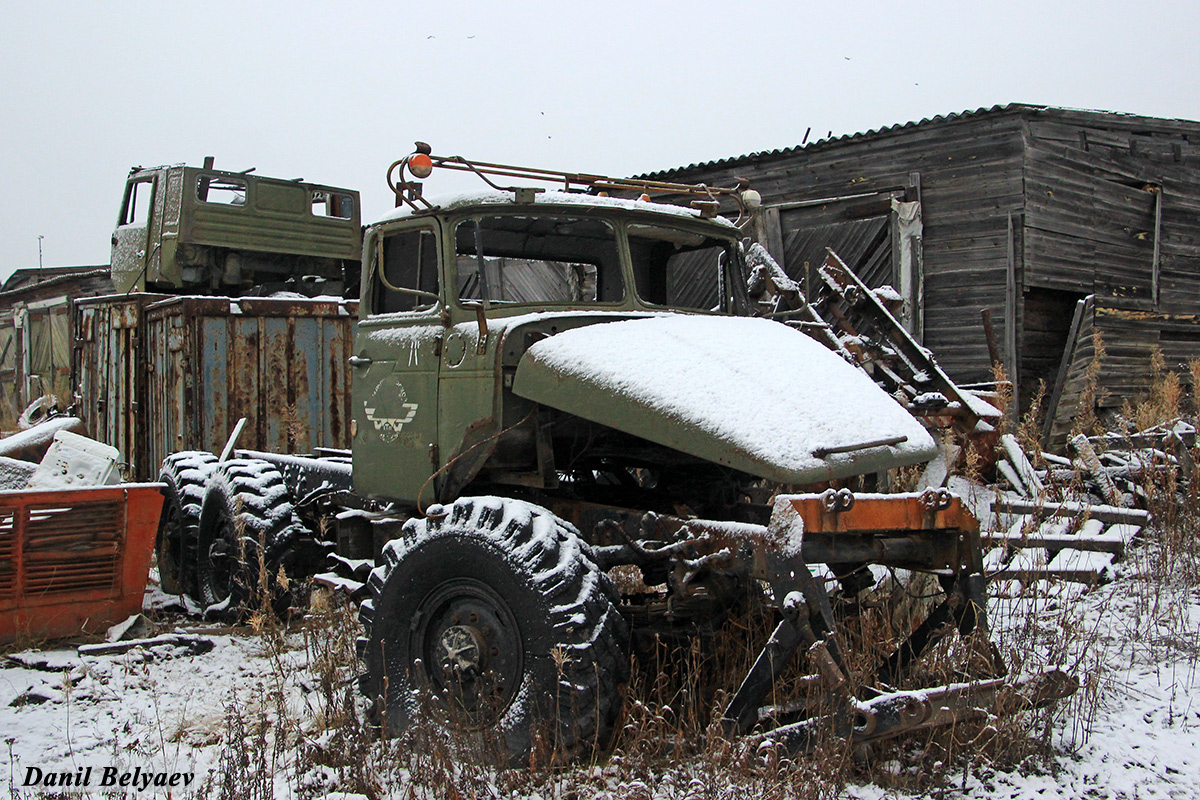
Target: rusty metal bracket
(409, 192)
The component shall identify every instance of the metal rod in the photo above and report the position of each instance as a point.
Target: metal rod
(822, 452)
(589, 180)
(233, 437)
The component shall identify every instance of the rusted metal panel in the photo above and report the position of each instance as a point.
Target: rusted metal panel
(158, 374)
(280, 363)
(74, 561)
(931, 510)
(35, 336)
(932, 530)
(108, 371)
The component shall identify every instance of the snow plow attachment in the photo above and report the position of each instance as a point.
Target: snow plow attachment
(74, 561)
(842, 657)
(897, 713)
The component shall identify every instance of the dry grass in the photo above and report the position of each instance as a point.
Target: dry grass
(1087, 419)
(668, 744)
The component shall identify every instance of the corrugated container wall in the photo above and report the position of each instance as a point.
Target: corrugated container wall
(205, 362)
(110, 374)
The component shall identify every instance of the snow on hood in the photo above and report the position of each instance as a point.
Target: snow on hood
(752, 394)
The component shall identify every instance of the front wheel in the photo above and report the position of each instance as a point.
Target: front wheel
(498, 611)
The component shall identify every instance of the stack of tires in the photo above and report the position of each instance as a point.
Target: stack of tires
(227, 533)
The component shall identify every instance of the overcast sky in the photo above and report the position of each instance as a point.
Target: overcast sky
(334, 93)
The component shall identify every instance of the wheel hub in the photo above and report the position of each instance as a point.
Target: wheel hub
(472, 647)
(462, 650)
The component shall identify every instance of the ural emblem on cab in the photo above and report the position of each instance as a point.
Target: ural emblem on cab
(392, 424)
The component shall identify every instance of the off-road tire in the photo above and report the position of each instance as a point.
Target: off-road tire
(527, 590)
(246, 511)
(185, 475)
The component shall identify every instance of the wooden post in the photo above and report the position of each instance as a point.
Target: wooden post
(1064, 367)
(1156, 267)
(768, 233)
(989, 332)
(1010, 320)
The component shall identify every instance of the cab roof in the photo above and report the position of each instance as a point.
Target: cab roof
(451, 202)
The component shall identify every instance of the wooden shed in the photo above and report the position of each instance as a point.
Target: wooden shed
(35, 334)
(1023, 210)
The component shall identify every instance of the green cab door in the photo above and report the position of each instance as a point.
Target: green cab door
(395, 365)
(131, 239)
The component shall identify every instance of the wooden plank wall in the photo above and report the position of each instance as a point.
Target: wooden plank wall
(970, 180)
(1113, 207)
(864, 244)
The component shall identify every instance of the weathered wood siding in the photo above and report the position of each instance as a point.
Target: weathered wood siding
(968, 175)
(1025, 210)
(1113, 207)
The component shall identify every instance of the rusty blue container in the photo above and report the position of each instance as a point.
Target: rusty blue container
(157, 375)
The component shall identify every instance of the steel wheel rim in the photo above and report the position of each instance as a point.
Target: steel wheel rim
(222, 554)
(471, 651)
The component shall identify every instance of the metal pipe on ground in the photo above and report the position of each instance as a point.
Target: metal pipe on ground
(32, 444)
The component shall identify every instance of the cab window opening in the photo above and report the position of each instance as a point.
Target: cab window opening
(221, 190)
(136, 210)
(680, 269)
(407, 270)
(516, 259)
(337, 205)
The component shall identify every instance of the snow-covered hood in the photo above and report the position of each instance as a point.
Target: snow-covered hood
(752, 394)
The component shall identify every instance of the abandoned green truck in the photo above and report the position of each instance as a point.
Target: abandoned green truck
(551, 385)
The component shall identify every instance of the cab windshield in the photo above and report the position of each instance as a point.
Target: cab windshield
(544, 259)
(680, 269)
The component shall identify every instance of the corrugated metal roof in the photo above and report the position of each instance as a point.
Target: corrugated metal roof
(939, 119)
(26, 280)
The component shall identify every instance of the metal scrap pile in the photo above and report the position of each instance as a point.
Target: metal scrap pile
(75, 542)
(1048, 517)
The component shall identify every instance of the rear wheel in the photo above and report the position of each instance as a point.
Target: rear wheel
(246, 532)
(185, 475)
(497, 609)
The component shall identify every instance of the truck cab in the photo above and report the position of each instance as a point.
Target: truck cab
(552, 385)
(461, 379)
(210, 231)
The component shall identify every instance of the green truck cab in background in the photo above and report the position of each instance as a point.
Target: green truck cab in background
(213, 231)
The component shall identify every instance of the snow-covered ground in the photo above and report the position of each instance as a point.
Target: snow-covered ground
(161, 711)
(1132, 731)
(1137, 732)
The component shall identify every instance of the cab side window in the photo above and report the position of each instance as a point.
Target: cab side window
(407, 278)
(680, 270)
(136, 208)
